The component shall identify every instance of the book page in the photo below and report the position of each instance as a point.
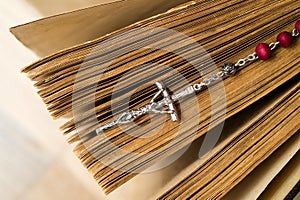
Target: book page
(284, 181)
(255, 183)
(52, 34)
(54, 7)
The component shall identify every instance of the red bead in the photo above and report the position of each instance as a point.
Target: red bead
(263, 51)
(297, 26)
(285, 39)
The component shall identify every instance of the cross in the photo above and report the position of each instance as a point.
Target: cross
(165, 102)
(154, 106)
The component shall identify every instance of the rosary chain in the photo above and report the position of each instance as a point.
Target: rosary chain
(157, 106)
(241, 62)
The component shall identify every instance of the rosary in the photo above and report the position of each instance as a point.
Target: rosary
(263, 51)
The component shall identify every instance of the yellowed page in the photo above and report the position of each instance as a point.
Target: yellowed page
(52, 34)
(53, 7)
(255, 183)
(284, 181)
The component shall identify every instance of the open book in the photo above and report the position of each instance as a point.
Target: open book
(104, 60)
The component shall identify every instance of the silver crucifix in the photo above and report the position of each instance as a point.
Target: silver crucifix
(164, 106)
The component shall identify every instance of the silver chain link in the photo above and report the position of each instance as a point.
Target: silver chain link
(273, 45)
(208, 81)
(295, 33)
(249, 58)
